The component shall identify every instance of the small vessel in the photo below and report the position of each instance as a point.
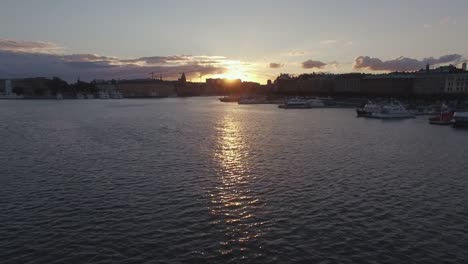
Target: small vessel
(444, 118)
(460, 119)
(103, 95)
(80, 96)
(368, 109)
(115, 95)
(393, 110)
(59, 96)
(229, 99)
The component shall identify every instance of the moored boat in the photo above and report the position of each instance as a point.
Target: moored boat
(229, 99)
(445, 117)
(295, 103)
(460, 119)
(368, 109)
(394, 110)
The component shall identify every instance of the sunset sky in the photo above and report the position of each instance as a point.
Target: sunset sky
(250, 40)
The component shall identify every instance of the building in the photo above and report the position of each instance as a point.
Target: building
(220, 86)
(387, 84)
(456, 84)
(429, 84)
(141, 88)
(348, 83)
(29, 87)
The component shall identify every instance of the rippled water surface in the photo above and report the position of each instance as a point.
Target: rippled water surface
(198, 181)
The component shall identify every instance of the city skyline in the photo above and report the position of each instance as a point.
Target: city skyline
(249, 41)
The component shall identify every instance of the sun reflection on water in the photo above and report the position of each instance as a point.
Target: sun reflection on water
(234, 203)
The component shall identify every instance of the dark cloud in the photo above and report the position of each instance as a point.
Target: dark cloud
(14, 64)
(275, 65)
(29, 46)
(309, 64)
(402, 63)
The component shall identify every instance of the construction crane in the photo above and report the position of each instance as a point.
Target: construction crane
(159, 72)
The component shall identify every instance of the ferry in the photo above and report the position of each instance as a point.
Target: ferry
(394, 110)
(295, 103)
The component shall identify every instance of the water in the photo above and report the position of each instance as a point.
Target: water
(198, 181)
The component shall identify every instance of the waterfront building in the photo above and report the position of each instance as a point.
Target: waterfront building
(387, 84)
(145, 88)
(429, 84)
(456, 84)
(348, 83)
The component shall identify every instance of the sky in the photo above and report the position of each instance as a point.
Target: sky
(251, 40)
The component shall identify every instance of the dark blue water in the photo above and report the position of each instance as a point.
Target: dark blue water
(198, 181)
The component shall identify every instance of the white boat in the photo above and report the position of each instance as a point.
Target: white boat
(103, 95)
(368, 109)
(59, 96)
(115, 95)
(295, 103)
(460, 119)
(316, 102)
(392, 111)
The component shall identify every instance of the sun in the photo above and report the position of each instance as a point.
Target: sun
(236, 70)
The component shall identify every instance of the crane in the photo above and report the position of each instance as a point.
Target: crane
(158, 72)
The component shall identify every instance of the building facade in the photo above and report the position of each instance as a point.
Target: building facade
(456, 84)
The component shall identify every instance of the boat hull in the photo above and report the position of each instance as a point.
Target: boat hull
(363, 113)
(460, 123)
(392, 115)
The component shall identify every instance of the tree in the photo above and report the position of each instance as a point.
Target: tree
(58, 85)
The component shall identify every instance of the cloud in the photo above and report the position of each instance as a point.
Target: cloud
(275, 65)
(328, 41)
(29, 46)
(17, 64)
(402, 63)
(309, 64)
(333, 65)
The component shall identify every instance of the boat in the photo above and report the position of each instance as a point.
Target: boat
(368, 109)
(59, 96)
(444, 118)
(393, 110)
(295, 103)
(460, 119)
(115, 95)
(103, 95)
(229, 99)
(315, 103)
